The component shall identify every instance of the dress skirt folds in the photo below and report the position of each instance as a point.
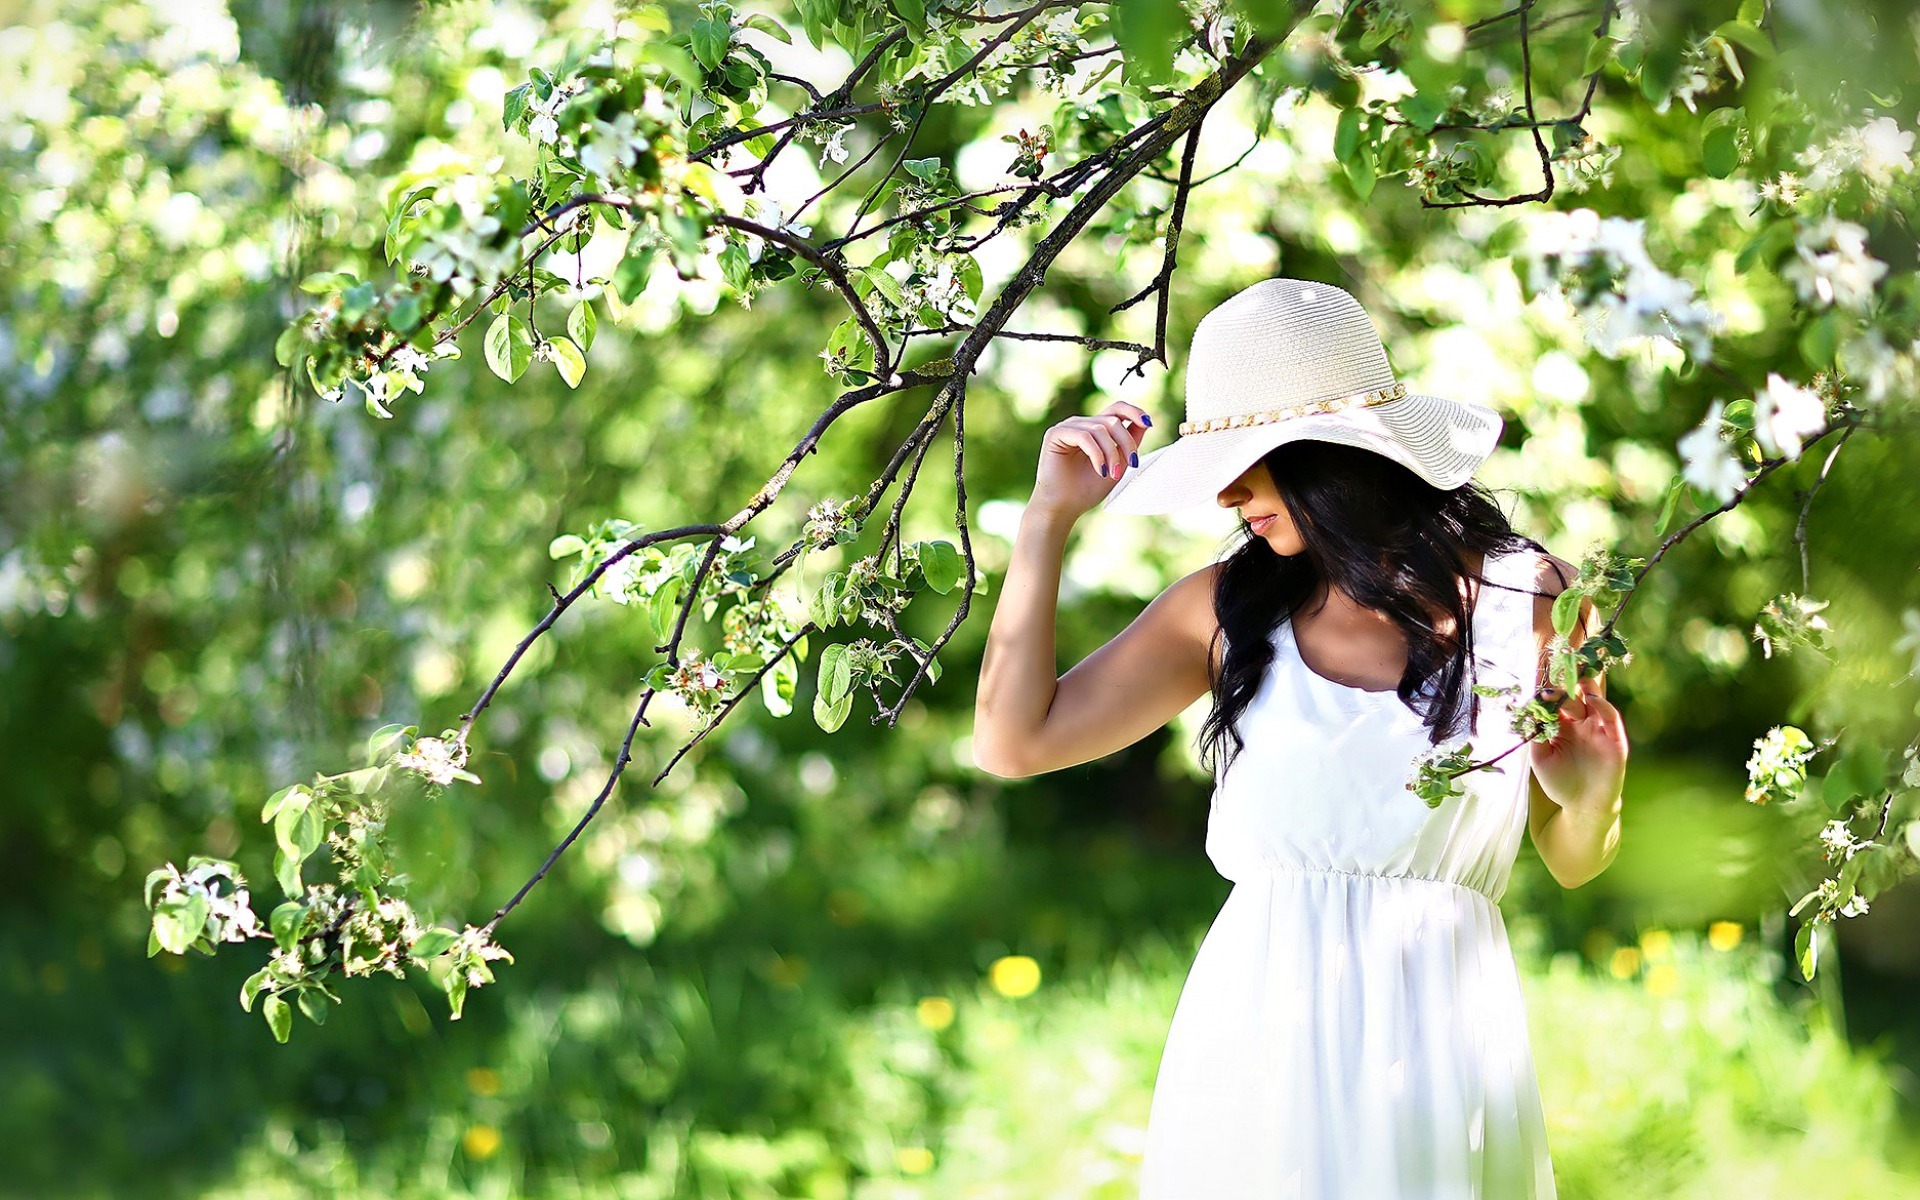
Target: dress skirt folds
(1352, 1027)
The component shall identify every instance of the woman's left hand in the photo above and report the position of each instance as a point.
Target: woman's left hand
(1584, 765)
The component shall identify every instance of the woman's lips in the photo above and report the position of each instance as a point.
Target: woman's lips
(1260, 525)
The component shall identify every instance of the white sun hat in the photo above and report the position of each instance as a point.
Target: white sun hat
(1289, 360)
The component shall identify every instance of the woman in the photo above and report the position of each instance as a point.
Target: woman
(1352, 1025)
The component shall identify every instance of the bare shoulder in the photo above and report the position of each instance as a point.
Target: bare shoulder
(1553, 575)
(1191, 598)
(1552, 578)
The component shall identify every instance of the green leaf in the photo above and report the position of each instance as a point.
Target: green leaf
(566, 546)
(1806, 950)
(1819, 340)
(1148, 31)
(366, 779)
(662, 607)
(1600, 52)
(770, 27)
(970, 277)
(286, 870)
(567, 357)
(314, 1005)
(1566, 610)
(285, 923)
(942, 565)
(1422, 109)
(1747, 35)
(1720, 150)
(824, 609)
(710, 36)
(456, 986)
(513, 106)
(384, 738)
(279, 1018)
(434, 942)
(778, 685)
(509, 347)
(735, 267)
(886, 285)
(582, 323)
(630, 277)
(406, 315)
(836, 673)
(153, 877)
(1566, 670)
(1346, 134)
(831, 717)
(1360, 172)
(933, 664)
(177, 922)
(321, 283)
(251, 988)
(298, 827)
(287, 344)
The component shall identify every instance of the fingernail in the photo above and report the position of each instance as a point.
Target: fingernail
(1103, 468)
(1145, 419)
(1133, 458)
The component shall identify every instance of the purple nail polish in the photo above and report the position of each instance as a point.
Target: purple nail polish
(1145, 419)
(1103, 468)
(1133, 458)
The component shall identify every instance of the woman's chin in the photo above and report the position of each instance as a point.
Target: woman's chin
(1282, 545)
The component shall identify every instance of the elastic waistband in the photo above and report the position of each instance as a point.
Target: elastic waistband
(1241, 871)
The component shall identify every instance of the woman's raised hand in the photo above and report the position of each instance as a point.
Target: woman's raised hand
(1082, 458)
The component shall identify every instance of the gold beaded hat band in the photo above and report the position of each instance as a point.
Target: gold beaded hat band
(1266, 415)
(1293, 360)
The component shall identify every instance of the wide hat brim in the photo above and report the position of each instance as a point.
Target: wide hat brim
(1443, 441)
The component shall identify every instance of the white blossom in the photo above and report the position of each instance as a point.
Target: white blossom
(1602, 266)
(379, 389)
(544, 126)
(1837, 837)
(438, 760)
(1855, 906)
(1879, 369)
(1784, 414)
(835, 147)
(1710, 465)
(1876, 152)
(1886, 150)
(409, 359)
(230, 915)
(1832, 265)
(1786, 189)
(612, 145)
(618, 580)
(697, 676)
(476, 948)
(947, 294)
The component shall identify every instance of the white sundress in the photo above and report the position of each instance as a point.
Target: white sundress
(1352, 1027)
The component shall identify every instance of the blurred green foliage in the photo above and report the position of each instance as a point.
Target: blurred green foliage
(212, 584)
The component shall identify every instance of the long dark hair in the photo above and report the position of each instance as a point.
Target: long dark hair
(1384, 537)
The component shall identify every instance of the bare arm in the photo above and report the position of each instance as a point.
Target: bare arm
(1578, 843)
(1026, 721)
